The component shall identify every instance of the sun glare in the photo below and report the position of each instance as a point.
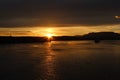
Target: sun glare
(49, 35)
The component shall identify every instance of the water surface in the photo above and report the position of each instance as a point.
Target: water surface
(60, 60)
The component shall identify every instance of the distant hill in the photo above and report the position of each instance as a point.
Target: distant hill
(102, 36)
(92, 36)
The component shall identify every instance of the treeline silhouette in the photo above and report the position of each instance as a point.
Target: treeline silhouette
(10, 39)
(92, 36)
(89, 36)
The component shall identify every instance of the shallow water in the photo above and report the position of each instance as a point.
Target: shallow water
(60, 60)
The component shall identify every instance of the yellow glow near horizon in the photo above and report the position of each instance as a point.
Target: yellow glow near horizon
(72, 31)
(49, 30)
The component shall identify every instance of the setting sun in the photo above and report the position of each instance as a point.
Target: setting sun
(50, 32)
(49, 35)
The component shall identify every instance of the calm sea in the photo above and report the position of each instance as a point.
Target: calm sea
(60, 60)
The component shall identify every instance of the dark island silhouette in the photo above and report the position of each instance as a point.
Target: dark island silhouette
(96, 36)
(92, 36)
(11, 39)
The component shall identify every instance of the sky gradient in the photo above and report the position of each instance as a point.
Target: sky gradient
(71, 17)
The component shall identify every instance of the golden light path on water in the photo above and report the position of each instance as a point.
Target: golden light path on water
(50, 63)
(48, 67)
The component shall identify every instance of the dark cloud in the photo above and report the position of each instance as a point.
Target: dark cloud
(21, 13)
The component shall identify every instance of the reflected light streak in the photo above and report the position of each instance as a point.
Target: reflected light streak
(49, 63)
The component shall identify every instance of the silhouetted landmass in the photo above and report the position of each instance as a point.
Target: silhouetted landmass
(102, 36)
(90, 36)
(9, 39)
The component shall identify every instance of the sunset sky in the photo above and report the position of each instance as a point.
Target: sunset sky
(58, 17)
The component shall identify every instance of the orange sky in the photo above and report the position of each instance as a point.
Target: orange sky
(57, 31)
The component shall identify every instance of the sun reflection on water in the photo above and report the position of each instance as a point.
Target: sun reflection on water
(49, 63)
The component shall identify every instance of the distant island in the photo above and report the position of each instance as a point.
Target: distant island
(90, 36)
